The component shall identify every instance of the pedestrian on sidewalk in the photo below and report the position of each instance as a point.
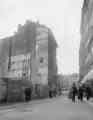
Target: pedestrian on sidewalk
(88, 92)
(74, 92)
(28, 94)
(54, 91)
(50, 92)
(80, 93)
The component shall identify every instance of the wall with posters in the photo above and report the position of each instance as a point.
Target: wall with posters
(19, 64)
(42, 55)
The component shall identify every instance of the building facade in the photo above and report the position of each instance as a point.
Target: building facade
(86, 44)
(86, 32)
(21, 54)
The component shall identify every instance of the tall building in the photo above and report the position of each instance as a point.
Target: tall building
(86, 43)
(18, 54)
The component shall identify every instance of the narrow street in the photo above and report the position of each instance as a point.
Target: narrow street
(59, 108)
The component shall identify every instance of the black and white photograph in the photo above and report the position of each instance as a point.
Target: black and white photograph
(46, 59)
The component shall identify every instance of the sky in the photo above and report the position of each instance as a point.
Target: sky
(62, 16)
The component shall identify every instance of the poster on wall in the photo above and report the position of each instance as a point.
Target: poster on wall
(42, 55)
(43, 72)
(19, 64)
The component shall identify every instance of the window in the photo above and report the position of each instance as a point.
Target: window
(91, 28)
(92, 49)
(43, 70)
(90, 3)
(89, 48)
(87, 28)
(25, 64)
(86, 45)
(20, 57)
(90, 44)
(41, 60)
(17, 65)
(17, 73)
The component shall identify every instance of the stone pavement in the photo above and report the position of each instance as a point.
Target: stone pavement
(59, 108)
(8, 108)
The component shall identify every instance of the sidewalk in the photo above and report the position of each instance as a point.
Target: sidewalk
(10, 106)
(90, 102)
(14, 105)
(22, 105)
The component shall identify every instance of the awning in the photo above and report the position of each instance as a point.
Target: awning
(89, 76)
(24, 82)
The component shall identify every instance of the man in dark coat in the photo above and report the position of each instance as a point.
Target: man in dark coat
(28, 94)
(50, 91)
(88, 92)
(74, 92)
(80, 93)
(55, 91)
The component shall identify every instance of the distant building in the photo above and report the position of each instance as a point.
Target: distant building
(69, 79)
(61, 80)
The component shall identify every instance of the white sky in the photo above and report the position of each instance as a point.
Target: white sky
(63, 16)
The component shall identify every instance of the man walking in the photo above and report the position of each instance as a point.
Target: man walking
(28, 94)
(88, 92)
(80, 93)
(74, 91)
(50, 91)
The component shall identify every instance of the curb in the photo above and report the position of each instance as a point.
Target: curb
(6, 111)
(3, 108)
(16, 106)
(11, 108)
(89, 103)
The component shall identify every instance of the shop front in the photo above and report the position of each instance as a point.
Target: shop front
(88, 79)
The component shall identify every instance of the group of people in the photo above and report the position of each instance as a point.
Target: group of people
(52, 91)
(80, 92)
